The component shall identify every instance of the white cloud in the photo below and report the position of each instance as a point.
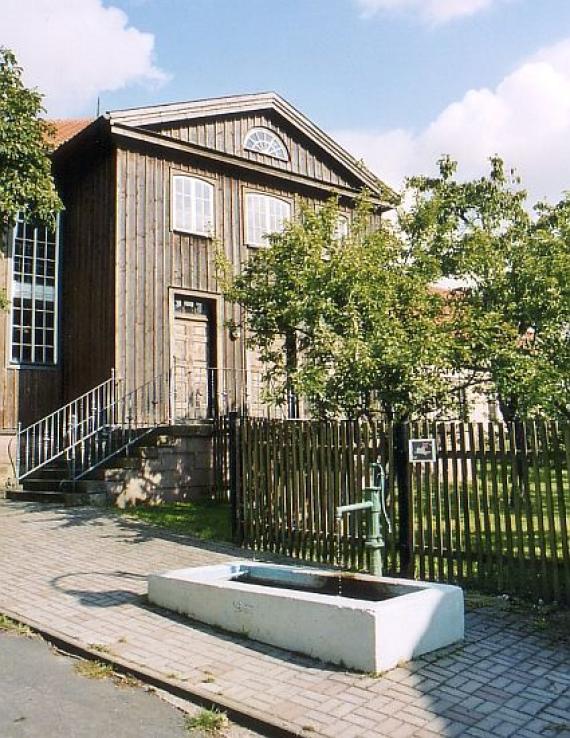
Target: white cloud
(435, 11)
(525, 119)
(73, 50)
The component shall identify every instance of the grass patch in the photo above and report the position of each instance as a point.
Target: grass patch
(126, 680)
(205, 519)
(100, 648)
(208, 721)
(558, 728)
(7, 625)
(99, 670)
(94, 669)
(477, 600)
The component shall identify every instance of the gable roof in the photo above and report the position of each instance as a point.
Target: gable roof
(237, 104)
(65, 129)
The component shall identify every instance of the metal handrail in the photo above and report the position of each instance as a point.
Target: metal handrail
(107, 419)
(53, 435)
(135, 414)
(73, 402)
(199, 393)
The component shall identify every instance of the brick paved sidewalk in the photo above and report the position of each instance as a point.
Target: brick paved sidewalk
(82, 572)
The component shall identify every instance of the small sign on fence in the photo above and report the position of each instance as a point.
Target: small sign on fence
(422, 450)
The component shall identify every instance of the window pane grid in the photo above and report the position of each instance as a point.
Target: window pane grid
(190, 305)
(264, 141)
(33, 294)
(265, 215)
(193, 205)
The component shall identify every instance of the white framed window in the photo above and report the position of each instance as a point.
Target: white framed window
(264, 215)
(265, 141)
(34, 299)
(193, 205)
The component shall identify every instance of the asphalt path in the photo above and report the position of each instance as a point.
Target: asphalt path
(42, 696)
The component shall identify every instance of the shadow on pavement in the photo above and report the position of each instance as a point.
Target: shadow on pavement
(506, 679)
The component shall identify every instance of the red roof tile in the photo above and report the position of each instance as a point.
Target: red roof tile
(67, 128)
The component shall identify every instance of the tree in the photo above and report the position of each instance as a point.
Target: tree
(26, 183)
(350, 324)
(355, 324)
(551, 330)
(513, 310)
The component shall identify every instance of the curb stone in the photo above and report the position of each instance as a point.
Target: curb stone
(249, 718)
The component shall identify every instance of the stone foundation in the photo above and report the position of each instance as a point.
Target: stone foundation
(177, 464)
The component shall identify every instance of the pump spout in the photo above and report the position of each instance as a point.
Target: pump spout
(342, 509)
(374, 504)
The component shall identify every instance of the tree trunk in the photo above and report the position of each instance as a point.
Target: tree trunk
(510, 416)
(508, 408)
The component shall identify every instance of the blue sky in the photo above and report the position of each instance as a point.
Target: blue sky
(343, 69)
(398, 82)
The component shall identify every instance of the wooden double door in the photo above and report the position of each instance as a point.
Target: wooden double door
(193, 357)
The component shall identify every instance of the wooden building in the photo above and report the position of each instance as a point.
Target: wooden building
(128, 283)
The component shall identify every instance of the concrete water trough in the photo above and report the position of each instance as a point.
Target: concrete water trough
(375, 624)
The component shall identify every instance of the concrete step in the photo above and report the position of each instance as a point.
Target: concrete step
(50, 472)
(20, 495)
(87, 487)
(85, 493)
(167, 463)
(164, 441)
(59, 463)
(46, 484)
(67, 498)
(77, 499)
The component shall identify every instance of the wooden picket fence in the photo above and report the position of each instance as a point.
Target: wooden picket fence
(493, 511)
(292, 475)
(490, 513)
(221, 453)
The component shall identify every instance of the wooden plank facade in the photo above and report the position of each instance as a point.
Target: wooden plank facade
(123, 264)
(228, 136)
(87, 323)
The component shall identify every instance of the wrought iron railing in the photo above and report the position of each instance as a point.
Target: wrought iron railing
(131, 416)
(57, 433)
(110, 418)
(202, 393)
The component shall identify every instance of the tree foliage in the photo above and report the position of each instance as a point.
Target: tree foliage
(26, 184)
(350, 323)
(355, 324)
(513, 310)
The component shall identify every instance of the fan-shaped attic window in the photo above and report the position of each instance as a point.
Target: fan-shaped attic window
(264, 141)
